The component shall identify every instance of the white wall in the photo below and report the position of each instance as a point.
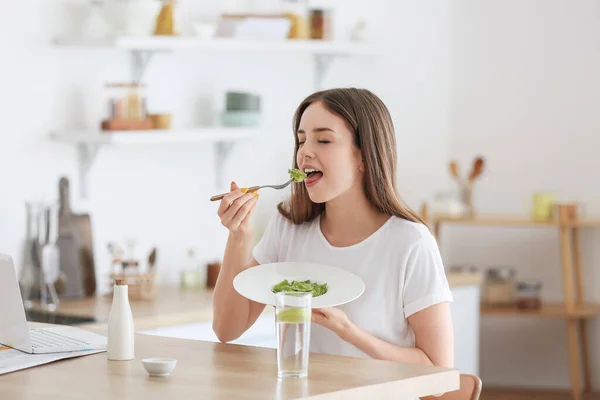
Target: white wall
(160, 195)
(525, 95)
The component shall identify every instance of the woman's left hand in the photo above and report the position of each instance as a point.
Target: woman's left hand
(331, 318)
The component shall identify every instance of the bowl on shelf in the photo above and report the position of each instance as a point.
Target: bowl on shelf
(246, 118)
(241, 109)
(204, 30)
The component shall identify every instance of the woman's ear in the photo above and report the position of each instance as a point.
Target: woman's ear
(361, 166)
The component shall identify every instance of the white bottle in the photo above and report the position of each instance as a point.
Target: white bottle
(120, 324)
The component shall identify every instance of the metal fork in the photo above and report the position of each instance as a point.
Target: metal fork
(254, 189)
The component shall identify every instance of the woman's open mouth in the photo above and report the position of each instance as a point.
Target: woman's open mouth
(314, 176)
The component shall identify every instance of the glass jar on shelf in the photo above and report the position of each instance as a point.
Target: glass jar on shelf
(126, 105)
(447, 203)
(126, 101)
(193, 275)
(499, 287)
(529, 295)
(320, 24)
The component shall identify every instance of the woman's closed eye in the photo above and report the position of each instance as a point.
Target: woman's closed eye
(301, 142)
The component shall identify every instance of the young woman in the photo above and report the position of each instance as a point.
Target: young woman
(348, 214)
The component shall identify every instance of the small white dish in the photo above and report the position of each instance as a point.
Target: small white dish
(256, 283)
(159, 366)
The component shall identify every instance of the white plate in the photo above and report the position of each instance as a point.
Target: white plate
(256, 283)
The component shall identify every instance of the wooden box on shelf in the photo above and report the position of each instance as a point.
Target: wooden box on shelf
(126, 124)
(141, 285)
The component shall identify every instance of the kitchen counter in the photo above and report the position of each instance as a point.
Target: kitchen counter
(208, 370)
(174, 306)
(171, 306)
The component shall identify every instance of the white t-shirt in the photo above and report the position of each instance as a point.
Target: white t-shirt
(400, 265)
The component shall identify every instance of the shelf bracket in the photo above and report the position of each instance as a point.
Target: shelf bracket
(322, 64)
(86, 153)
(139, 62)
(222, 150)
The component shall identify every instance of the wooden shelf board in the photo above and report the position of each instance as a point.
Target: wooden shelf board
(548, 310)
(512, 221)
(590, 222)
(167, 43)
(174, 136)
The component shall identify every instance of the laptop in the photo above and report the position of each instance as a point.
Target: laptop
(13, 324)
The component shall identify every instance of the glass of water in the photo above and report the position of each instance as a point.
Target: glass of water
(293, 316)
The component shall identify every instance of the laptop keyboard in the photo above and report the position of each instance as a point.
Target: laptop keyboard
(44, 339)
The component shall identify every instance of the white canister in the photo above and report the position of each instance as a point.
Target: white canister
(132, 17)
(120, 325)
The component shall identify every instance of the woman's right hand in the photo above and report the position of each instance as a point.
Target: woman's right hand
(235, 210)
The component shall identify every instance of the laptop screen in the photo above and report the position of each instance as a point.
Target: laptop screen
(13, 324)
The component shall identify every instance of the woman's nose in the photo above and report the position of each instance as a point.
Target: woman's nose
(305, 150)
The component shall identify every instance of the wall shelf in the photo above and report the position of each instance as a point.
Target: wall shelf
(573, 309)
(548, 310)
(143, 48)
(170, 43)
(88, 143)
(510, 221)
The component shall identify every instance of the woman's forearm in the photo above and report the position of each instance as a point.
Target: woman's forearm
(380, 349)
(231, 310)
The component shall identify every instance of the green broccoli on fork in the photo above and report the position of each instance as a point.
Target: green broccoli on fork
(297, 175)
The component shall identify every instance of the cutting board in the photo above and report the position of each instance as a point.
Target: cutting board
(75, 246)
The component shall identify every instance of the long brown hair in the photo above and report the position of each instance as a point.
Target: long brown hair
(370, 122)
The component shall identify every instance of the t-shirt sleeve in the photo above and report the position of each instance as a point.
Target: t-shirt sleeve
(266, 250)
(425, 282)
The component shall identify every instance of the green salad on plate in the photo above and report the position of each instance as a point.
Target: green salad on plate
(301, 286)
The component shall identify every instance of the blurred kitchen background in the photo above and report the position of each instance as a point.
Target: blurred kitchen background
(209, 88)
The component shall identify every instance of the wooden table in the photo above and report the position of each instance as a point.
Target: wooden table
(207, 370)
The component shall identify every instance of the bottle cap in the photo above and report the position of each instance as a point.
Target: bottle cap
(119, 282)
